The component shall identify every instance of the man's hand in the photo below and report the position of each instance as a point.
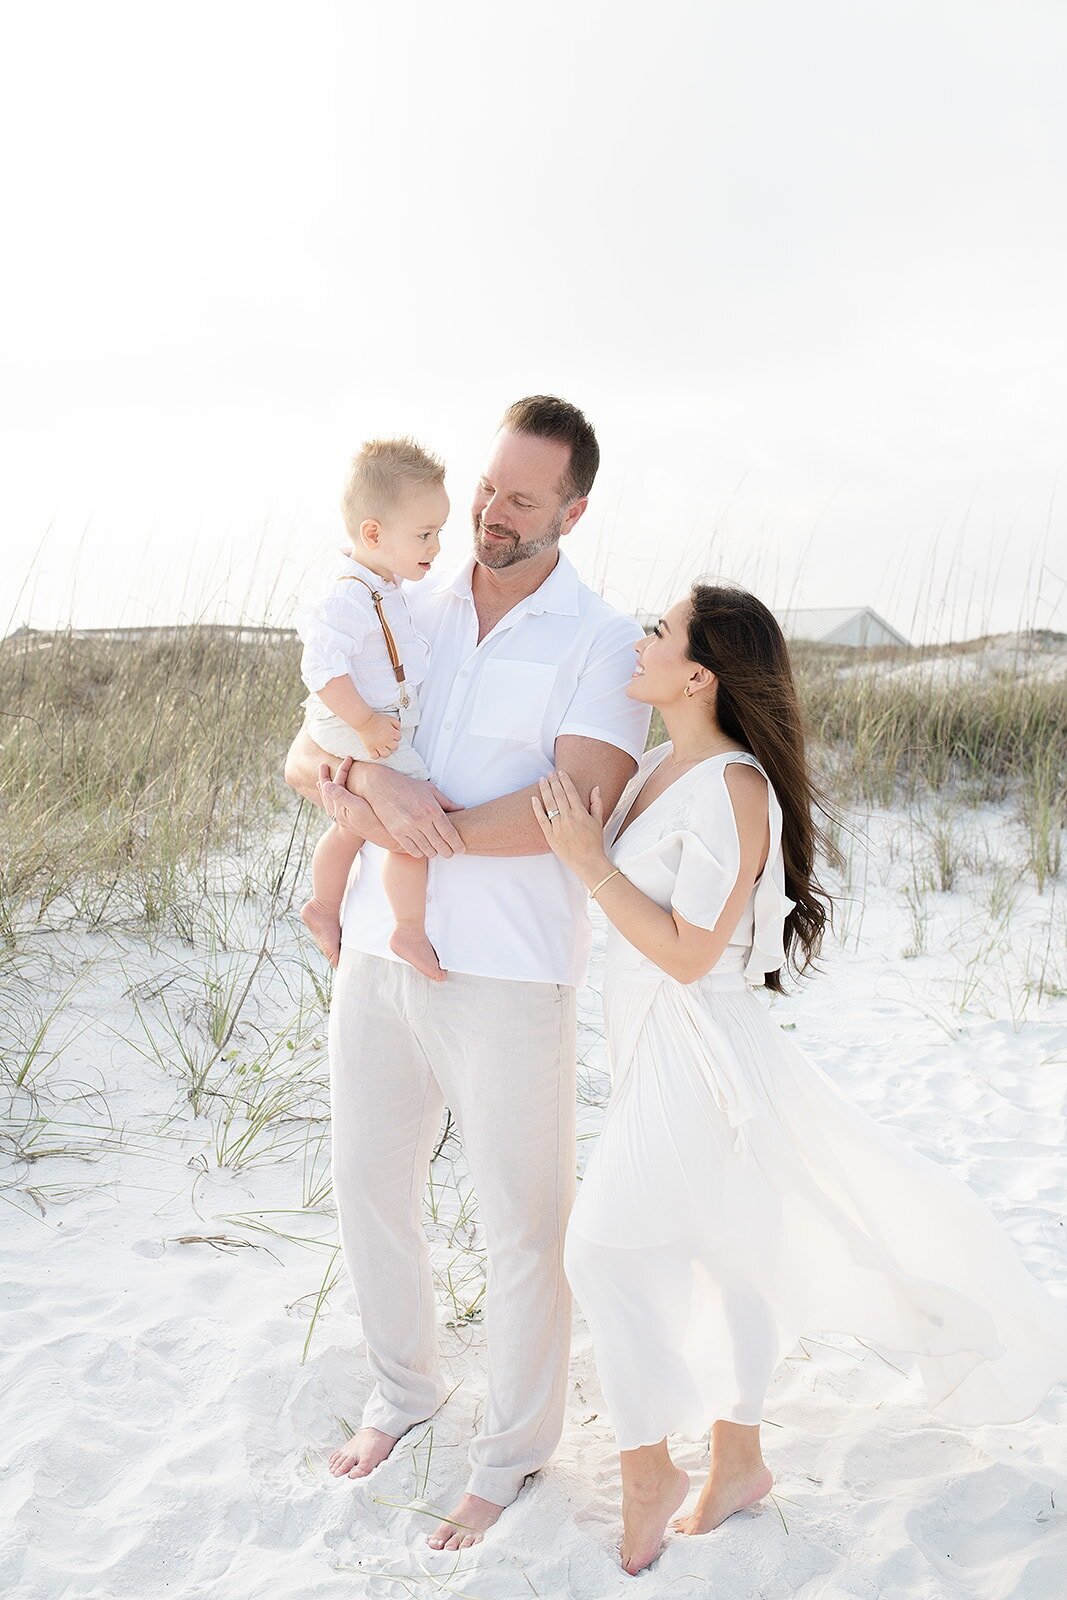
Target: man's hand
(412, 811)
(338, 803)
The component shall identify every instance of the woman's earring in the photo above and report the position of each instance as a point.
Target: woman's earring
(687, 691)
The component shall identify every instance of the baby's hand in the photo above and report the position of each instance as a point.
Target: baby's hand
(380, 734)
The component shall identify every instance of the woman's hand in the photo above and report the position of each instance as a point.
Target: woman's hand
(574, 834)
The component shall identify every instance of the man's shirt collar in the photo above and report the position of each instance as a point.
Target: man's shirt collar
(558, 593)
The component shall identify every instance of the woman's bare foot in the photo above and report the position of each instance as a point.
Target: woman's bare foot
(325, 928)
(367, 1449)
(466, 1526)
(723, 1494)
(652, 1490)
(410, 943)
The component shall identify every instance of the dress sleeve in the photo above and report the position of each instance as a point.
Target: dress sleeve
(333, 631)
(709, 862)
(709, 859)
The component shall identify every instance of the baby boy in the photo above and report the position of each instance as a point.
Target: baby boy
(363, 662)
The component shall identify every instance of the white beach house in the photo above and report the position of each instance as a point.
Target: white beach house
(847, 625)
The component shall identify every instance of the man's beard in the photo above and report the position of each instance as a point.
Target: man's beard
(508, 552)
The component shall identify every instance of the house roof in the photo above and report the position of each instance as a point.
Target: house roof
(817, 622)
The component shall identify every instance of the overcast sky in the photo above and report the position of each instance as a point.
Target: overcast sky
(801, 264)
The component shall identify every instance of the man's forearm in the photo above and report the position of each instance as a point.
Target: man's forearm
(508, 827)
(503, 827)
(302, 774)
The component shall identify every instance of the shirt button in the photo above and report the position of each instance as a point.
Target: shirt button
(464, 673)
(448, 725)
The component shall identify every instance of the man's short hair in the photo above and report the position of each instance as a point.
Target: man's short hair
(380, 475)
(547, 417)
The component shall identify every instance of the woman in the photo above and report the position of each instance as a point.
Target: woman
(735, 1199)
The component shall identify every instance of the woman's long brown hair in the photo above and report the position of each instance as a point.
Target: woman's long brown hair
(738, 639)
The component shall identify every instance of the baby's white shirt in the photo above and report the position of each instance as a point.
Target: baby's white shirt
(342, 635)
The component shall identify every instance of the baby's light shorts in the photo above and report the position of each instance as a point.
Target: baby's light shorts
(335, 736)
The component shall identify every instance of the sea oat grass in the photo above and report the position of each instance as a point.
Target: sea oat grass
(893, 734)
(130, 762)
(880, 740)
(127, 762)
(965, 726)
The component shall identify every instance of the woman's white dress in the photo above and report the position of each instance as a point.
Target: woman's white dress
(736, 1200)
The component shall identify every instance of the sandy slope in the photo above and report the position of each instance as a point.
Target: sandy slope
(1035, 655)
(163, 1438)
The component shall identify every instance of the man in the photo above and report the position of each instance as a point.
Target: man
(528, 672)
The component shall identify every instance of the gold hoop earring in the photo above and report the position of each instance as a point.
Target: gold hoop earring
(687, 691)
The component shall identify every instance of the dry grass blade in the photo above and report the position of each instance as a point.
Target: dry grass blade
(221, 1241)
(774, 1499)
(425, 1511)
(334, 1268)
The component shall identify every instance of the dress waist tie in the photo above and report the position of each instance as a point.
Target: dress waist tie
(637, 988)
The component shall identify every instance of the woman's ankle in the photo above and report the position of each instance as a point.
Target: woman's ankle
(735, 1448)
(646, 1466)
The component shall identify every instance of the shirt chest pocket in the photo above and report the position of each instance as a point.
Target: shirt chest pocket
(512, 699)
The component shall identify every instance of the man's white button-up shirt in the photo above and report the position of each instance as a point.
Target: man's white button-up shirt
(558, 662)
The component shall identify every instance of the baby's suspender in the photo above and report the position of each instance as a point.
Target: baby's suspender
(390, 642)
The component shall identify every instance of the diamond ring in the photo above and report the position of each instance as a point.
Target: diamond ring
(552, 814)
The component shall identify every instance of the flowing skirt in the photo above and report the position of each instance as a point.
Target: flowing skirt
(736, 1200)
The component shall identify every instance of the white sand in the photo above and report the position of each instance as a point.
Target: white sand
(163, 1438)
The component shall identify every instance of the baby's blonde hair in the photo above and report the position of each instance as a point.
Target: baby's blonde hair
(379, 476)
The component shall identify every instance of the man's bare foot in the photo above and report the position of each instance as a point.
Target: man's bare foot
(648, 1502)
(367, 1449)
(325, 928)
(722, 1495)
(411, 945)
(466, 1525)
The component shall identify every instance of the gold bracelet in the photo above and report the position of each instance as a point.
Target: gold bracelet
(593, 892)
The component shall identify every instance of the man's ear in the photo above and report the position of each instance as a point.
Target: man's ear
(574, 511)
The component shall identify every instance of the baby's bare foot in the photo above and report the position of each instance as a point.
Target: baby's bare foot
(411, 945)
(324, 926)
(647, 1507)
(466, 1525)
(367, 1449)
(722, 1495)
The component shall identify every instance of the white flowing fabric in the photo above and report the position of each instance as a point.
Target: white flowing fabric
(736, 1200)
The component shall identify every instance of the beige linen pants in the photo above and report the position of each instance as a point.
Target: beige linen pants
(501, 1056)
